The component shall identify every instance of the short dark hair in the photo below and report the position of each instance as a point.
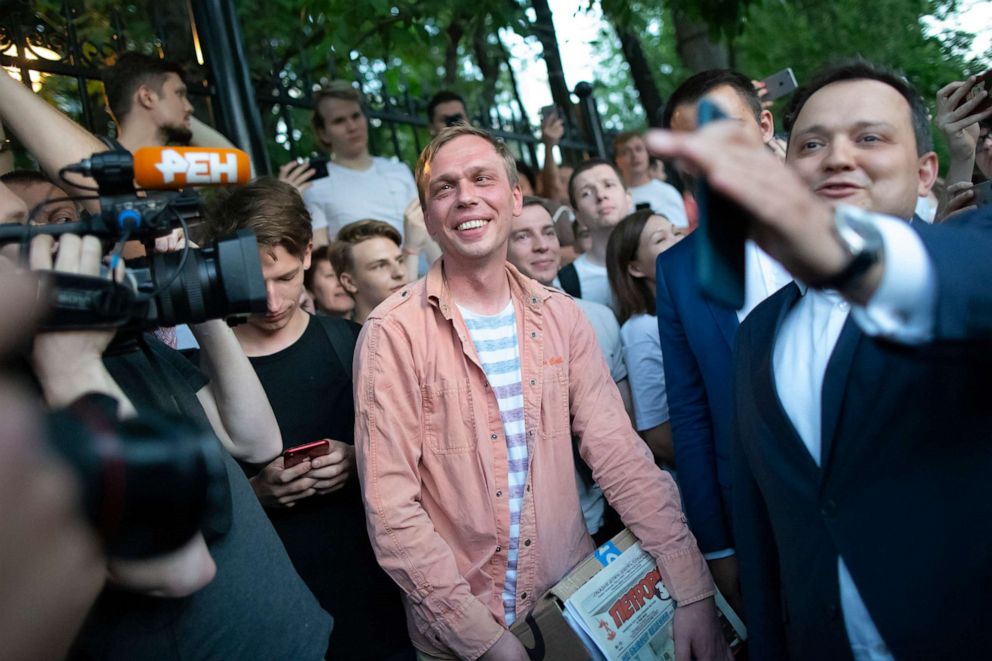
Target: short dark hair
(588, 165)
(271, 208)
(699, 85)
(354, 233)
(623, 138)
(25, 178)
(130, 72)
(865, 70)
(631, 294)
(443, 96)
(319, 254)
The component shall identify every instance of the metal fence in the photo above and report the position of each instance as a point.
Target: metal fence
(60, 46)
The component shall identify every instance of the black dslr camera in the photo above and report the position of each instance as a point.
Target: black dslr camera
(223, 280)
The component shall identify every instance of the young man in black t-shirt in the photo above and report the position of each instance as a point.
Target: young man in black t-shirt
(304, 365)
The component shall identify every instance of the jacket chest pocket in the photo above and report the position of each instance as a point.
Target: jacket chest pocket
(554, 400)
(449, 420)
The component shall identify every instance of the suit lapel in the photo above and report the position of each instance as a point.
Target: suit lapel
(766, 392)
(726, 321)
(835, 386)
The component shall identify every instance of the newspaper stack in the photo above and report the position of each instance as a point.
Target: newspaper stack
(626, 614)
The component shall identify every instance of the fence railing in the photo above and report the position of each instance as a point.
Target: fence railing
(60, 47)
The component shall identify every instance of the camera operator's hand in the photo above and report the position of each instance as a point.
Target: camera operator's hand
(297, 175)
(68, 363)
(333, 469)
(278, 486)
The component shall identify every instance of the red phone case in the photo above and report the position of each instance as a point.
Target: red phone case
(298, 454)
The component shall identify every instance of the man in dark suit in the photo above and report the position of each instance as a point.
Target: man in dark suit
(697, 338)
(860, 399)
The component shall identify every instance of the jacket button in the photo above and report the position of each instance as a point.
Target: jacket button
(523, 595)
(526, 542)
(499, 548)
(499, 493)
(493, 437)
(533, 299)
(533, 334)
(533, 382)
(829, 508)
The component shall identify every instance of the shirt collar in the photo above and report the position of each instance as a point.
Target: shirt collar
(521, 288)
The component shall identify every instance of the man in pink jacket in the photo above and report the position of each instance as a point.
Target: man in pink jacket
(470, 384)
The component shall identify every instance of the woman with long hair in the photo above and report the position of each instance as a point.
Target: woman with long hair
(634, 244)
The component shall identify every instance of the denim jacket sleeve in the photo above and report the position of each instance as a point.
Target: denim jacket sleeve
(389, 442)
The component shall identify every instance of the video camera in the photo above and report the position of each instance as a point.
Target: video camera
(223, 280)
(148, 484)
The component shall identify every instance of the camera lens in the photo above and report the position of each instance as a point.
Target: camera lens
(216, 282)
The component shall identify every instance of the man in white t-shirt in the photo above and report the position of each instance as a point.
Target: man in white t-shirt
(358, 184)
(634, 163)
(600, 200)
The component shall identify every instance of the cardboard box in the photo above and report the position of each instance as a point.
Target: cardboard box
(544, 632)
(547, 635)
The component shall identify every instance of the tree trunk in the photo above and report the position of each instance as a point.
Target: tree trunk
(695, 47)
(454, 34)
(544, 28)
(640, 71)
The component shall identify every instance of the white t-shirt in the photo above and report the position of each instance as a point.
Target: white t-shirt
(645, 370)
(604, 323)
(594, 282)
(664, 200)
(382, 192)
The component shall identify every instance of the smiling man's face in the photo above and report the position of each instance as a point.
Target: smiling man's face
(853, 142)
(470, 202)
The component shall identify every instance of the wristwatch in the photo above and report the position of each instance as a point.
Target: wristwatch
(860, 238)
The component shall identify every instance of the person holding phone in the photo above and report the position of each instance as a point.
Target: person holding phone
(863, 426)
(697, 338)
(310, 492)
(358, 185)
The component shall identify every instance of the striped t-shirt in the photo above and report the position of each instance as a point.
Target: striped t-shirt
(495, 340)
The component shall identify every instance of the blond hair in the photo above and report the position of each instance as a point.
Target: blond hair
(423, 170)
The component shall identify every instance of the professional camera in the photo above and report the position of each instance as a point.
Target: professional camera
(148, 484)
(192, 285)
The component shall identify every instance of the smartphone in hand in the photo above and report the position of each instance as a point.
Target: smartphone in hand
(319, 167)
(723, 228)
(296, 455)
(779, 84)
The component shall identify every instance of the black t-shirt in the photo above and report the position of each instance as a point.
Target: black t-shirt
(311, 394)
(255, 608)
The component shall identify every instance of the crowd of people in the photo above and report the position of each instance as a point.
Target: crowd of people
(509, 367)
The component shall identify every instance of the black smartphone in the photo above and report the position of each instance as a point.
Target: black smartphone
(779, 84)
(319, 166)
(723, 228)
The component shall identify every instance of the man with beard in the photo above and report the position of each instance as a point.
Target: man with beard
(147, 98)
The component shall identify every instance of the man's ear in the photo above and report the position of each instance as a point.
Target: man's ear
(347, 282)
(927, 173)
(146, 97)
(766, 122)
(307, 256)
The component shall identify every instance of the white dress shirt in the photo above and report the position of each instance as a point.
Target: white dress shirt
(902, 309)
